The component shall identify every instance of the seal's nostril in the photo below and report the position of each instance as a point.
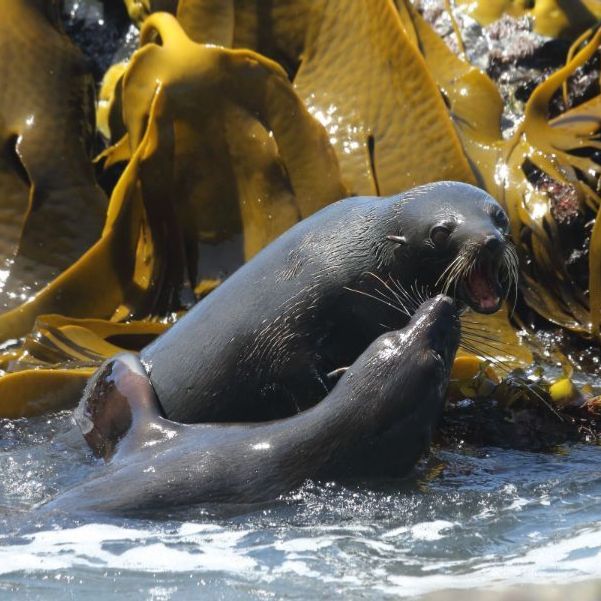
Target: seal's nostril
(492, 243)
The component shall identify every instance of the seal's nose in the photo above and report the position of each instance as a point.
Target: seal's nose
(492, 243)
(439, 308)
(442, 325)
(443, 304)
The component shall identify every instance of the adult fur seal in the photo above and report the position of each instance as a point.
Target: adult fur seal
(392, 395)
(261, 345)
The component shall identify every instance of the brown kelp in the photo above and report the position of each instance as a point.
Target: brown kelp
(240, 158)
(552, 18)
(177, 220)
(167, 205)
(376, 113)
(46, 127)
(139, 9)
(49, 369)
(552, 146)
(384, 113)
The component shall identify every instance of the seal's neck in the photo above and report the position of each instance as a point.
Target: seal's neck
(356, 409)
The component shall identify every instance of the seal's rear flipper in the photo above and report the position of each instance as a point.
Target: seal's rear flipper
(117, 408)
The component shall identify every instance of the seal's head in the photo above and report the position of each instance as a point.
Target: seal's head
(414, 363)
(457, 235)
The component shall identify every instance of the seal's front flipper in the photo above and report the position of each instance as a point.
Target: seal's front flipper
(119, 412)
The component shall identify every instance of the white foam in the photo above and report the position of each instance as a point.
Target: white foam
(547, 564)
(300, 545)
(207, 549)
(300, 568)
(427, 531)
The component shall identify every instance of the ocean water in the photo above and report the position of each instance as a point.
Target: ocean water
(469, 519)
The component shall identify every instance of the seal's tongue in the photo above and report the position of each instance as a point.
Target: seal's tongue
(481, 289)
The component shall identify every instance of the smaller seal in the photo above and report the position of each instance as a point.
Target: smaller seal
(380, 414)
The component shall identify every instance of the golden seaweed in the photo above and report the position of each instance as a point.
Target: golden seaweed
(139, 9)
(65, 341)
(551, 146)
(238, 158)
(214, 157)
(554, 18)
(109, 109)
(278, 30)
(111, 280)
(385, 120)
(51, 209)
(385, 117)
(37, 391)
(49, 369)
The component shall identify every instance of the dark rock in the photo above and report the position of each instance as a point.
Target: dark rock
(103, 31)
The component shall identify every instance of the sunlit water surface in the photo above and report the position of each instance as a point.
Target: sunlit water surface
(470, 518)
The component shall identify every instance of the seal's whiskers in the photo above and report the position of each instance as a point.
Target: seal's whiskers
(483, 344)
(459, 268)
(393, 300)
(511, 266)
(413, 300)
(395, 295)
(477, 335)
(381, 300)
(474, 343)
(463, 265)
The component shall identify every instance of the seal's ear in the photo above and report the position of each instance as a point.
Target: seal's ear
(119, 411)
(397, 239)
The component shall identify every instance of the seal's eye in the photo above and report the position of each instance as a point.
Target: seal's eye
(439, 234)
(500, 220)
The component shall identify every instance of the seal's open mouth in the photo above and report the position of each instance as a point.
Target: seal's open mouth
(482, 275)
(481, 287)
